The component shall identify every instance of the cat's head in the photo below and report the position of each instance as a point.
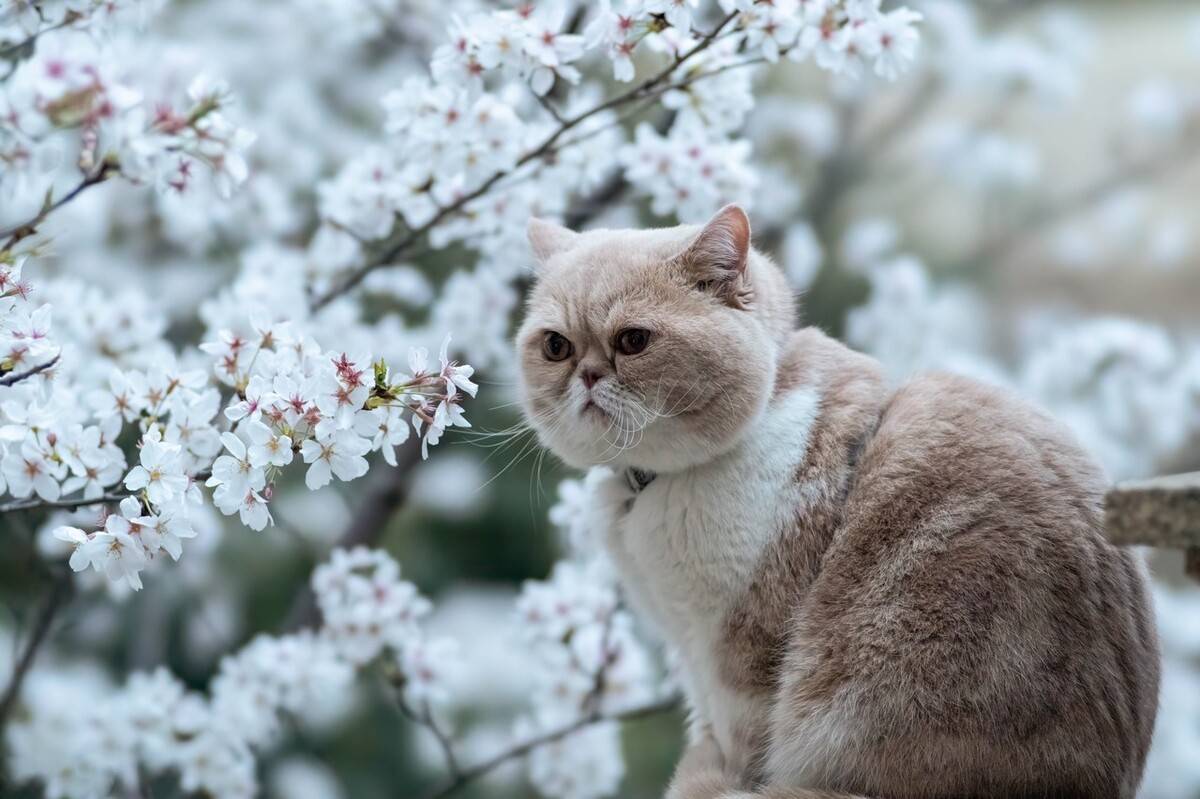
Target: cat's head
(650, 348)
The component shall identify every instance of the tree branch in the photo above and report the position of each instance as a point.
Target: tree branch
(13, 378)
(369, 522)
(60, 593)
(425, 719)
(16, 52)
(1041, 219)
(472, 773)
(29, 227)
(548, 146)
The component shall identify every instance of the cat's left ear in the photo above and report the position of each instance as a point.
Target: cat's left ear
(716, 259)
(549, 239)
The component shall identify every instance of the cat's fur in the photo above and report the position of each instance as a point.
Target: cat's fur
(902, 594)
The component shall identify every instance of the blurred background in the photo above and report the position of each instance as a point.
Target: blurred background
(1021, 206)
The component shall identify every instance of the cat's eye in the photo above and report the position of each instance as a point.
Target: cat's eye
(556, 346)
(632, 341)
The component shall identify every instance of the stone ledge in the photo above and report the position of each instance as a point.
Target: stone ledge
(1162, 512)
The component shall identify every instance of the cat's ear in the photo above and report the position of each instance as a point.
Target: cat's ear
(548, 239)
(716, 259)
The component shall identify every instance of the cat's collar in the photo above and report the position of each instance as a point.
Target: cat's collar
(637, 479)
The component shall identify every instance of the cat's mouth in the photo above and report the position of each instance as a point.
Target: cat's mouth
(590, 407)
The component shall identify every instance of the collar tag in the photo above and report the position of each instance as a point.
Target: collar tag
(638, 479)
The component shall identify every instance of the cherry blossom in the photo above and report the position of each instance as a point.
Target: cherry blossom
(339, 454)
(27, 470)
(159, 473)
(229, 265)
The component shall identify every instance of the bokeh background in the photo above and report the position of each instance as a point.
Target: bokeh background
(1021, 207)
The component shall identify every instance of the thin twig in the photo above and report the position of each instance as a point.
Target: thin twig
(1000, 246)
(591, 702)
(911, 111)
(590, 707)
(16, 377)
(591, 206)
(545, 103)
(60, 593)
(366, 527)
(17, 232)
(472, 773)
(13, 52)
(548, 146)
(425, 719)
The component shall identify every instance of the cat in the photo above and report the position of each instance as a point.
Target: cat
(898, 593)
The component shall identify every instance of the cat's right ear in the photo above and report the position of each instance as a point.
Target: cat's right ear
(548, 239)
(716, 258)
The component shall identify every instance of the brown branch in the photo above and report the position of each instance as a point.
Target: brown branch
(591, 206)
(910, 112)
(13, 378)
(25, 229)
(547, 147)
(425, 719)
(18, 51)
(60, 594)
(545, 103)
(592, 714)
(472, 773)
(368, 524)
(1000, 246)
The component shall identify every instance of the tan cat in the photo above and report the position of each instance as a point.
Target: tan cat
(901, 594)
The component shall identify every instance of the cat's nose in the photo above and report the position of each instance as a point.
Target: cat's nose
(590, 377)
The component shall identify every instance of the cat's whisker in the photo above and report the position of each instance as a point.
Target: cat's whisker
(518, 431)
(479, 435)
(526, 449)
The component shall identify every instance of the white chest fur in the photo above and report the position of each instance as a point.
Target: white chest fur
(691, 542)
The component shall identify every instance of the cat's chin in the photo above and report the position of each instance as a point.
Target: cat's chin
(674, 454)
(660, 451)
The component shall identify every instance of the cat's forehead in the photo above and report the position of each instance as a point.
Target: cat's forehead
(630, 246)
(605, 260)
(605, 269)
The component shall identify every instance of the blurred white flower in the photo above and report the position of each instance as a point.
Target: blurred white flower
(801, 255)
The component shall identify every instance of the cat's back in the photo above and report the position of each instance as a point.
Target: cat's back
(970, 581)
(944, 438)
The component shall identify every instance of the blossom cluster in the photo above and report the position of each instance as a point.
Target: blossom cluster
(76, 746)
(73, 102)
(73, 407)
(588, 659)
(840, 36)
(47, 446)
(368, 612)
(487, 115)
(686, 171)
(1128, 389)
(289, 399)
